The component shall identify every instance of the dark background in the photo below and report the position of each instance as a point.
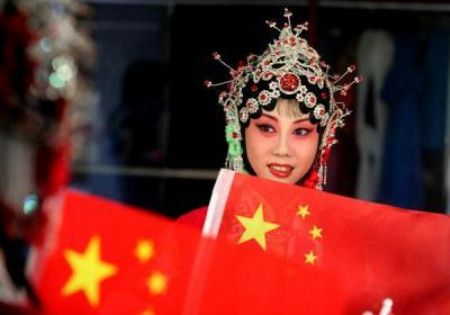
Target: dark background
(155, 114)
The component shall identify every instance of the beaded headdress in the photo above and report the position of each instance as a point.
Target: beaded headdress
(291, 69)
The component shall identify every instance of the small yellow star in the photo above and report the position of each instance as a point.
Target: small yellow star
(310, 258)
(157, 283)
(303, 211)
(256, 228)
(144, 250)
(316, 232)
(88, 271)
(148, 312)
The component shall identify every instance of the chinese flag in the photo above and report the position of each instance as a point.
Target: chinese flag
(101, 257)
(376, 251)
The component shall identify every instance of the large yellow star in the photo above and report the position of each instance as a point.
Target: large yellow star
(303, 211)
(87, 271)
(144, 250)
(316, 232)
(256, 228)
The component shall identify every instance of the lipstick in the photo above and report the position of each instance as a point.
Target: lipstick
(280, 170)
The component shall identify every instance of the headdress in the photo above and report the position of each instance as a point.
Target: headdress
(289, 68)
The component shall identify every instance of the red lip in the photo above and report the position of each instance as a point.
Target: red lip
(284, 172)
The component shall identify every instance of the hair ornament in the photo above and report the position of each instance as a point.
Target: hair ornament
(289, 68)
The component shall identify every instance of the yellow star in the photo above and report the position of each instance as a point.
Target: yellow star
(157, 283)
(256, 228)
(303, 211)
(144, 250)
(87, 271)
(316, 232)
(148, 312)
(310, 258)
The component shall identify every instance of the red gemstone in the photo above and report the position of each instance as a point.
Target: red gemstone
(324, 95)
(312, 100)
(289, 82)
(254, 88)
(267, 75)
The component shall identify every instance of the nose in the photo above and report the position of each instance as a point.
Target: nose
(282, 147)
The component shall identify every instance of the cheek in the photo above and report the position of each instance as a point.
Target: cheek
(306, 152)
(255, 146)
(251, 139)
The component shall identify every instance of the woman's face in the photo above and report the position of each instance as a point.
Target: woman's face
(281, 145)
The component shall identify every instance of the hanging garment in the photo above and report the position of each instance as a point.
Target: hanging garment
(433, 110)
(401, 180)
(432, 119)
(375, 54)
(447, 131)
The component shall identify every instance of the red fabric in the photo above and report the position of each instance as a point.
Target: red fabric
(202, 276)
(378, 251)
(194, 218)
(8, 309)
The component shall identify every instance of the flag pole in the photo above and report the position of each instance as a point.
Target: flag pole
(205, 250)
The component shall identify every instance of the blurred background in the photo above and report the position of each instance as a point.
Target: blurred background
(108, 96)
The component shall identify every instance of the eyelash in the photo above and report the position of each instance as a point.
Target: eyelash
(265, 128)
(301, 132)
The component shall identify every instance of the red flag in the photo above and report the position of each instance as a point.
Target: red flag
(377, 251)
(101, 257)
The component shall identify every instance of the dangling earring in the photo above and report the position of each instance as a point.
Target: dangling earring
(312, 180)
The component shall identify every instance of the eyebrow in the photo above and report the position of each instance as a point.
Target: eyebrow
(275, 119)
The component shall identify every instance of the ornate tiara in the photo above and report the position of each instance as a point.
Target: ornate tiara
(289, 68)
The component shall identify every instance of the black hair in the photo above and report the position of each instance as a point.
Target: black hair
(252, 90)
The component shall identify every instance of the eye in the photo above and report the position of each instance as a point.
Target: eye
(302, 131)
(266, 128)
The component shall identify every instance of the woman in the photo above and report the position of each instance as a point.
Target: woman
(281, 113)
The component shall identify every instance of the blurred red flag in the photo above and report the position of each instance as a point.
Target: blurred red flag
(101, 257)
(377, 251)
